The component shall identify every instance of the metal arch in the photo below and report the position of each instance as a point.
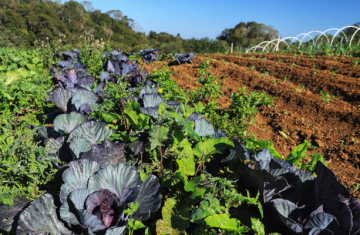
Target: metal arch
(353, 36)
(323, 33)
(264, 42)
(297, 37)
(291, 40)
(281, 40)
(252, 48)
(308, 34)
(255, 47)
(269, 43)
(342, 30)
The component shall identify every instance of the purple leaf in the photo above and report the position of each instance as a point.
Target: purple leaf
(9, 215)
(61, 98)
(327, 186)
(120, 179)
(149, 198)
(107, 153)
(101, 203)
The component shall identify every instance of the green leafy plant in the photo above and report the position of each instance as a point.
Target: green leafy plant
(302, 86)
(326, 97)
(356, 62)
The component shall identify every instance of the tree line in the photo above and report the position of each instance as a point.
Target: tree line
(22, 22)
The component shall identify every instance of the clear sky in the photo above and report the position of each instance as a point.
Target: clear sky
(208, 18)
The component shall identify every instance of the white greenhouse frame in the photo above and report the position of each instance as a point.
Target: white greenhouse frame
(276, 42)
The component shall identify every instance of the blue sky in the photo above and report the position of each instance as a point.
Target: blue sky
(207, 18)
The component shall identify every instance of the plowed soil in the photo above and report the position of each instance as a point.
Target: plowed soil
(299, 113)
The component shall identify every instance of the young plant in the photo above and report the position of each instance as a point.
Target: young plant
(302, 86)
(356, 62)
(326, 97)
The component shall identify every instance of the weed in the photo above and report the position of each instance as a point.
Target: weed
(302, 86)
(326, 97)
(314, 69)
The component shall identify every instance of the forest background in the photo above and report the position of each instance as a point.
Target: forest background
(29, 22)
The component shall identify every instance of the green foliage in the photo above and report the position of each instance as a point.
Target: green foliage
(326, 97)
(248, 34)
(175, 219)
(223, 221)
(244, 106)
(257, 226)
(295, 156)
(24, 84)
(171, 91)
(197, 198)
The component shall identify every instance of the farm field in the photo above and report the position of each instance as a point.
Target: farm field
(114, 124)
(106, 142)
(300, 113)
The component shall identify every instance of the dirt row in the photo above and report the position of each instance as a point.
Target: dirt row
(346, 68)
(343, 87)
(299, 114)
(338, 59)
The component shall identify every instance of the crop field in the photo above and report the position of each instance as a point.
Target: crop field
(99, 141)
(317, 99)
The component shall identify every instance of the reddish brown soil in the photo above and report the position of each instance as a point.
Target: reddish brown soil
(333, 128)
(342, 59)
(340, 65)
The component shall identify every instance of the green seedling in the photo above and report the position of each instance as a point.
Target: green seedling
(326, 97)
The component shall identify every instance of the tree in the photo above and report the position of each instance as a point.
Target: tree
(108, 32)
(116, 14)
(74, 11)
(88, 6)
(127, 20)
(248, 34)
(137, 27)
(8, 4)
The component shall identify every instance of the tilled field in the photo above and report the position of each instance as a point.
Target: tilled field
(299, 113)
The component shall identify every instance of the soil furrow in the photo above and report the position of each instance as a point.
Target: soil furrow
(344, 87)
(333, 128)
(347, 69)
(343, 60)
